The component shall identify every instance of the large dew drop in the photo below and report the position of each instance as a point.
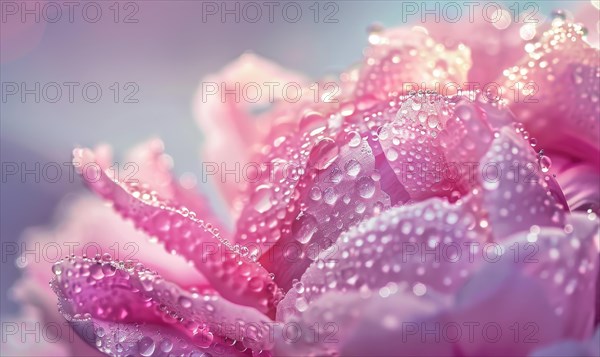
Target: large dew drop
(366, 187)
(261, 200)
(146, 346)
(324, 154)
(304, 227)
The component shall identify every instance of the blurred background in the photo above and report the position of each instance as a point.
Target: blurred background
(156, 53)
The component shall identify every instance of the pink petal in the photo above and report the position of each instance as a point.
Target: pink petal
(507, 311)
(230, 127)
(111, 294)
(516, 190)
(153, 167)
(272, 196)
(339, 189)
(543, 285)
(84, 226)
(493, 40)
(574, 348)
(354, 324)
(556, 86)
(566, 262)
(431, 140)
(126, 339)
(512, 291)
(398, 58)
(235, 276)
(578, 181)
(425, 242)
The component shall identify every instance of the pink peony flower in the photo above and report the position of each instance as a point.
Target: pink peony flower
(377, 221)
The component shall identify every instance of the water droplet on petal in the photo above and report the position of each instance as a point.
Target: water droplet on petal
(166, 345)
(261, 200)
(347, 109)
(391, 154)
(559, 14)
(354, 139)
(301, 304)
(324, 154)
(313, 123)
(545, 163)
(315, 194)
(57, 268)
(299, 287)
(96, 271)
(352, 168)
(203, 338)
(256, 284)
(146, 346)
(366, 187)
(304, 227)
(185, 302)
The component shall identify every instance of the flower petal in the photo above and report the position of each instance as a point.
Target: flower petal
(508, 309)
(339, 189)
(556, 85)
(272, 199)
(492, 37)
(125, 293)
(236, 277)
(154, 170)
(431, 140)
(517, 294)
(226, 116)
(517, 191)
(354, 324)
(423, 242)
(578, 181)
(566, 262)
(399, 59)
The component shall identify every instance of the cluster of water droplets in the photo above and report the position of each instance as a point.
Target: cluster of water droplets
(393, 59)
(100, 289)
(374, 259)
(559, 65)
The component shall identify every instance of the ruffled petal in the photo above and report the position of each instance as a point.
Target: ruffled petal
(431, 142)
(400, 60)
(566, 261)
(578, 181)
(507, 311)
(556, 86)
(355, 324)
(492, 37)
(517, 191)
(339, 190)
(109, 294)
(235, 276)
(536, 289)
(230, 116)
(272, 198)
(425, 242)
(153, 168)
